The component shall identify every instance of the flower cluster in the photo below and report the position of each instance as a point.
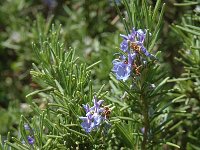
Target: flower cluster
(133, 46)
(30, 138)
(95, 115)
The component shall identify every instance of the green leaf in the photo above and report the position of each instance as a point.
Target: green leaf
(188, 30)
(73, 131)
(94, 64)
(126, 135)
(172, 144)
(39, 91)
(186, 4)
(121, 17)
(59, 87)
(158, 87)
(116, 101)
(155, 12)
(15, 146)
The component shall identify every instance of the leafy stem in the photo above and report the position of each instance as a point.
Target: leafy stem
(145, 122)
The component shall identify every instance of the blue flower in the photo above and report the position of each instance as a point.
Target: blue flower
(87, 108)
(97, 118)
(87, 124)
(143, 130)
(140, 34)
(26, 127)
(30, 137)
(127, 39)
(146, 53)
(123, 68)
(94, 116)
(135, 41)
(96, 108)
(31, 140)
(131, 58)
(124, 45)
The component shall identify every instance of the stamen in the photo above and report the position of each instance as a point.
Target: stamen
(135, 47)
(137, 69)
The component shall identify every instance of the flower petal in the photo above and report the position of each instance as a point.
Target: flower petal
(124, 45)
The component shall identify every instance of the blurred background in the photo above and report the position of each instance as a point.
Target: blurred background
(92, 27)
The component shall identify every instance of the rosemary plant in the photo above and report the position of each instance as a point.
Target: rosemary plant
(186, 89)
(144, 107)
(69, 111)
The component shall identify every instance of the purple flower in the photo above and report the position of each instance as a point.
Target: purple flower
(87, 124)
(145, 52)
(132, 45)
(140, 35)
(127, 39)
(31, 140)
(131, 58)
(135, 41)
(124, 45)
(94, 116)
(122, 68)
(87, 108)
(96, 108)
(143, 130)
(97, 118)
(26, 127)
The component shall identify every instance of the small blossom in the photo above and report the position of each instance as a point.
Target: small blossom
(87, 124)
(145, 52)
(122, 70)
(94, 116)
(97, 105)
(130, 38)
(97, 118)
(143, 130)
(87, 108)
(135, 40)
(141, 35)
(26, 127)
(124, 45)
(131, 58)
(31, 140)
(133, 46)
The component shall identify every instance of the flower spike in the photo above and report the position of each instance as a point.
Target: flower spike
(94, 116)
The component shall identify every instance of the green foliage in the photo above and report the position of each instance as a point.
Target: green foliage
(65, 86)
(187, 86)
(146, 116)
(72, 63)
(19, 29)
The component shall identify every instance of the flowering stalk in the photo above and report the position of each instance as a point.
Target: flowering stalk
(131, 66)
(66, 86)
(142, 79)
(95, 116)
